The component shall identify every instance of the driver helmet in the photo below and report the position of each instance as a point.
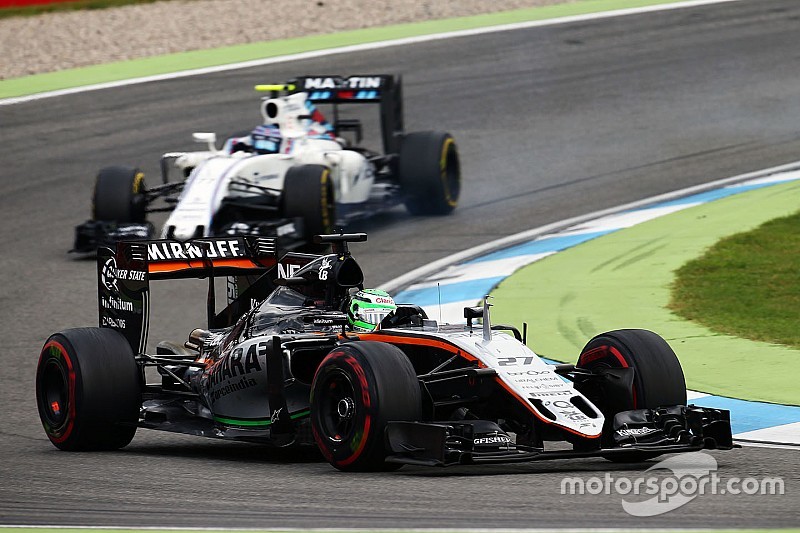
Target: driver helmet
(267, 139)
(368, 307)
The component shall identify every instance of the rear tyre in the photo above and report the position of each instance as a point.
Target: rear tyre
(430, 173)
(308, 193)
(119, 195)
(658, 379)
(88, 390)
(357, 390)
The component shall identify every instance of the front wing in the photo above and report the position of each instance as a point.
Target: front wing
(94, 234)
(640, 433)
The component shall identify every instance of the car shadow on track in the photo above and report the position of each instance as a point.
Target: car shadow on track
(226, 451)
(575, 466)
(307, 454)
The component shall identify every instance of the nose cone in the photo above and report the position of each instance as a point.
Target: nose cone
(183, 231)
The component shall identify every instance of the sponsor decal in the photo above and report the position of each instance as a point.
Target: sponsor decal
(636, 432)
(321, 83)
(540, 386)
(538, 379)
(495, 439)
(287, 271)
(546, 394)
(353, 82)
(244, 383)
(530, 373)
(566, 410)
(134, 275)
(275, 416)
(107, 321)
(108, 274)
(118, 304)
(231, 289)
(237, 363)
(324, 269)
(215, 249)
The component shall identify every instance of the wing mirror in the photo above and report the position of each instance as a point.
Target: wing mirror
(209, 138)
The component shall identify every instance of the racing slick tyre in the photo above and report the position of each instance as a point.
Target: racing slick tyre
(357, 390)
(658, 379)
(119, 195)
(429, 173)
(88, 389)
(308, 194)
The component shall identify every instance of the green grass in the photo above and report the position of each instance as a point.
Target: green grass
(746, 285)
(30, 11)
(624, 280)
(181, 61)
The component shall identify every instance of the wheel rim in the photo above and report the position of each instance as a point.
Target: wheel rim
(338, 409)
(611, 358)
(54, 394)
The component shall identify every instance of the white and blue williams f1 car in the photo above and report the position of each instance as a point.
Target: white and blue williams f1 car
(303, 354)
(294, 176)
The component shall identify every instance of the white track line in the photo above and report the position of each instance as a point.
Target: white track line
(382, 530)
(425, 271)
(365, 47)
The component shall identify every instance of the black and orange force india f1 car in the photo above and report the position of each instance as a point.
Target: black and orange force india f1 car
(281, 364)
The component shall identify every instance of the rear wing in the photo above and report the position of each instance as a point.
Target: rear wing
(383, 89)
(251, 265)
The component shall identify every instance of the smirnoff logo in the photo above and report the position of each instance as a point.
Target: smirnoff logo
(213, 249)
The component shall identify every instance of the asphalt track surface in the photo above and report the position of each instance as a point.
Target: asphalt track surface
(551, 123)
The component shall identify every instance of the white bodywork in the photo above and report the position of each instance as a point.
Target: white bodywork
(217, 174)
(526, 376)
(550, 397)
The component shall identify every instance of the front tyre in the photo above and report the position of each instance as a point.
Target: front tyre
(119, 195)
(658, 379)
(430, 173)
(88, 390)
(357, 390)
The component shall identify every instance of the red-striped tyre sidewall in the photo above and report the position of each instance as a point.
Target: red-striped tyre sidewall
(384, 388)
(91, 375)
(54, 357)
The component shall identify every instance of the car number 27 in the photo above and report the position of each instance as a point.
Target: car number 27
(514, 361)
